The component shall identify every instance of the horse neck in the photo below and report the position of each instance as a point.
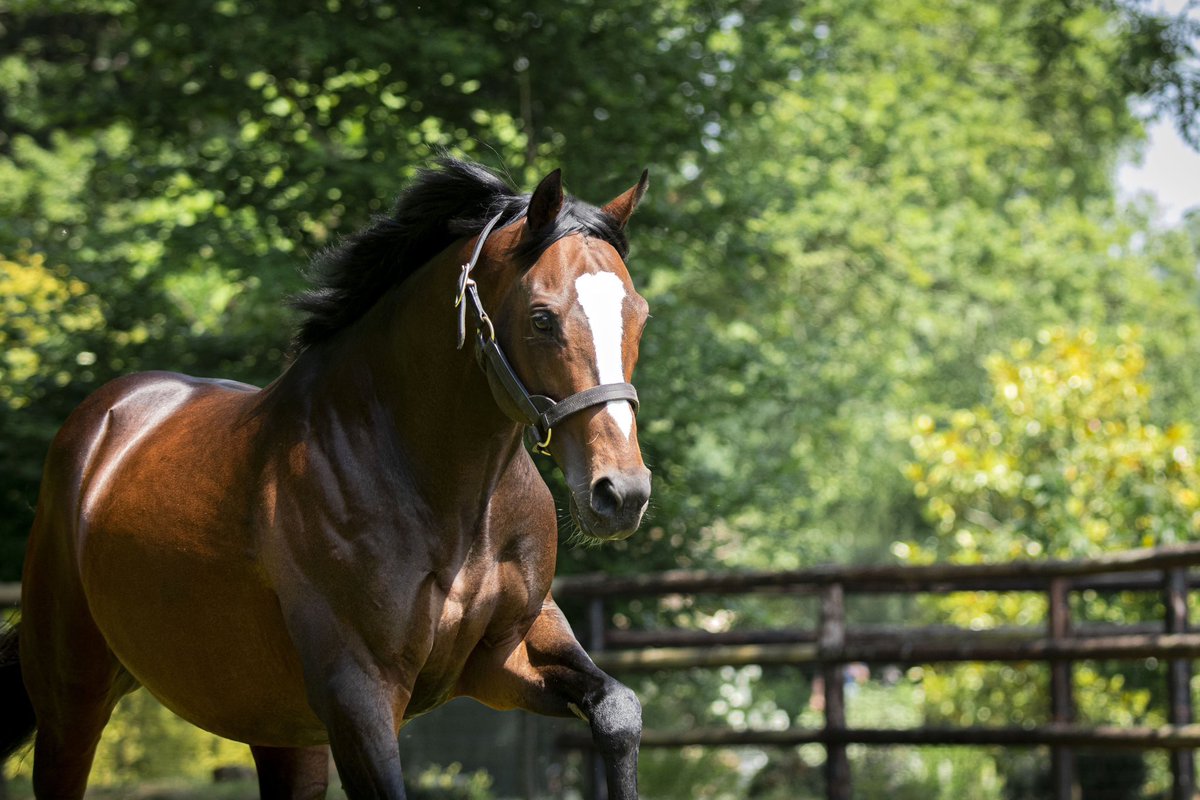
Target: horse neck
(397, 373)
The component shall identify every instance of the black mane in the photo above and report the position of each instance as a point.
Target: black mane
(454, 200)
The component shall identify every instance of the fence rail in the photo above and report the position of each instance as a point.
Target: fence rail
(1137, 567)
(831, 644)
(1168, 737)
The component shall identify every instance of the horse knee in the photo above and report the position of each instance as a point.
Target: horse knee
(617, 720)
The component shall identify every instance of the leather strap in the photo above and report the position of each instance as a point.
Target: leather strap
(537, 411)
(595, 396)
(494, 364)
(468, 289)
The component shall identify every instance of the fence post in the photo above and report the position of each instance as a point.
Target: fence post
(1062, 701)
(595, 644)
(1179, 679)
(832, 640)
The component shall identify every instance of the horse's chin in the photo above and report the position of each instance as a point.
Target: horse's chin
(591, 527)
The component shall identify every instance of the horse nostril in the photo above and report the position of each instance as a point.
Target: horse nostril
(606, 500)
(637, 492)
(621, 496)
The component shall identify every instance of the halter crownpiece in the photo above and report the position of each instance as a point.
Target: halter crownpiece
(537, 411)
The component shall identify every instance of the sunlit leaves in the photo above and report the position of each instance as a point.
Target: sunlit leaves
(1064, 461)
(144, 739)
(42, 313)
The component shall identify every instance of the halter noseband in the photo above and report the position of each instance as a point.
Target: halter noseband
(537, 411)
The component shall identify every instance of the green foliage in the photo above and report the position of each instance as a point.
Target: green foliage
(144, 742)
(894, 772)
(183, 160)
(49, 326)
(900, 209)
(449, 783)
(1064, 462)
(852, 205)
(886, 191)
(43, 314)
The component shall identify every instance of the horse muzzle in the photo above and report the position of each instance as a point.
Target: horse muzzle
(613, 505)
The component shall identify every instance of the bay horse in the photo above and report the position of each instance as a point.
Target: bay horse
(307, 566)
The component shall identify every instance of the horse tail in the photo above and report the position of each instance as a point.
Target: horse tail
(18, 721)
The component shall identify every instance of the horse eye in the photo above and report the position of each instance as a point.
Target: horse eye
(544, 321)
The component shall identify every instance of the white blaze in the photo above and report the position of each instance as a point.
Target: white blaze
(601, 296)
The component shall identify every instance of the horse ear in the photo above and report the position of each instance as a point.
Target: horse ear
(621, 208)
(546, 202)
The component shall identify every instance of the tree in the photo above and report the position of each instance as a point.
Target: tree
(902, 208)
(49, 322)
(183, 160)
(1063, 461)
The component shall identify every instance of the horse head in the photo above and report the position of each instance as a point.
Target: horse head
(569, 323)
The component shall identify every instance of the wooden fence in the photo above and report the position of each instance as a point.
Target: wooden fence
(832, 644)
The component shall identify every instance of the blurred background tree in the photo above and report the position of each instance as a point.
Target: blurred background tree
(1062, 461)
(852, 206)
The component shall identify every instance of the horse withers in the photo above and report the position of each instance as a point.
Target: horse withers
(307, 566)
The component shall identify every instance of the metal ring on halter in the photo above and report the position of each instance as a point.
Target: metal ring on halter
(484, 319)
(464, 280)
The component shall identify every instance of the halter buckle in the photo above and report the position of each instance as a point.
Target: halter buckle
(464, 280)
(484, 319)
(542, 448)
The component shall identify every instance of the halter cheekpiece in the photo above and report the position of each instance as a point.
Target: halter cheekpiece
(537, 411)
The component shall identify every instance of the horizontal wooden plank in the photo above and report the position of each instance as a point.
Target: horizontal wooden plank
(1171, 737)
(1014, 576)
(912, 651)
(726, 655)
(619, 639)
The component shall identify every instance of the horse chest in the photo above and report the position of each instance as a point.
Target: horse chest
(481, 605)
(478, 610)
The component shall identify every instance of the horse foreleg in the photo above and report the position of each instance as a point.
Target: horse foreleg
(362, 736)
(291, 773)
(359, 708)
(549, 673)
